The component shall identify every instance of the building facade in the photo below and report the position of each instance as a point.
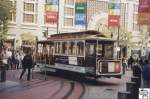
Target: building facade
(30, 18)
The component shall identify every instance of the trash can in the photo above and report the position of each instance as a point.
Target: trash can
(2, 73)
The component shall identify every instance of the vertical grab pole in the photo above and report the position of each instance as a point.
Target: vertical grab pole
(45, 70)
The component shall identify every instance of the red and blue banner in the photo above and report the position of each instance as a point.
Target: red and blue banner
(51, 11)
(80, 19)
(80, 12)
(52, 2)
(113, 20)
(51, 17)
(114, 14)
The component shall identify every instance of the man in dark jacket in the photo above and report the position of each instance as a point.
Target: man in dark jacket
(146, 74)
(27, 63)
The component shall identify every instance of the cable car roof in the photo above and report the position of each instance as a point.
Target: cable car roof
(83, 35)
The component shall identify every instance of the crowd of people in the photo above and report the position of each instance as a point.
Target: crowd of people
(140, 67)
(12, 59)
(18, 59)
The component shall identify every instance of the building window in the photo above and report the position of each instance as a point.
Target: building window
(69, 11)
(30, 12)
(29, 7)
(28, 18)
(68, 22)
(70, 2)
(13, 12)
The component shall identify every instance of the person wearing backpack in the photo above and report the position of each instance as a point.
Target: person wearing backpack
(146, 73)
(27, 63)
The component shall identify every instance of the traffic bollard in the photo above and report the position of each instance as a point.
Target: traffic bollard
(131, 87)
(124, 95)
(137, 80)
(2, 73)
(137, 86)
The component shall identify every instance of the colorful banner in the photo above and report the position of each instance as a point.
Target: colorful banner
(144, 6)
(51, 17)
(114, 13)
(80, 12)
(80, 8)
(51, 11)
(144, 12)
(80, 1)
(144, 18)
(80, 19)
(52, 2)
(114, 6)
(113, 20)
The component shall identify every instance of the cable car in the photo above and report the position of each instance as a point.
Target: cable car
(87, 52)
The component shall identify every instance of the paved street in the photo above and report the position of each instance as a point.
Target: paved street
(56, 87)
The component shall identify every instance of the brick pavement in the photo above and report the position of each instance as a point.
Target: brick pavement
(56, 88)
(107, 88)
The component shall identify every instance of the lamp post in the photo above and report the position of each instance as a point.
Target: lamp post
(86, 25)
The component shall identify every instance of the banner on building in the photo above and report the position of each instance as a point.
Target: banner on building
(80, 8)
(80, 12)
(144, 6)
(114, 20)
(51, 8)
(114, 6)
(144, 12)
(51, 17)
(80, 1)
(51, 11)
(114, 13)
(52, 2)
(144, 18)
(80, 19)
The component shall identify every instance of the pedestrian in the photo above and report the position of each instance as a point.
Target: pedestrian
(141, 61)
(130, 62)
(17, 58)
(27, 63)
(136, 69)
(5, 59)
(21, 56)
(13, 61)
(124, 65)
(146, 74)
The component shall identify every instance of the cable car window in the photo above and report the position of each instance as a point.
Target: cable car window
(108, 51)
(39, 50)
(57, 47)
(45, 50)
(100, 49)
(80, 48)
(90, 49)
(64, 47)
(72, 48)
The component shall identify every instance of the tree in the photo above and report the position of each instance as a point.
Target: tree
(125, 36)
(6, 8)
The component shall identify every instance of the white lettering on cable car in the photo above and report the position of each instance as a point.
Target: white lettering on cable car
(73, 60)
